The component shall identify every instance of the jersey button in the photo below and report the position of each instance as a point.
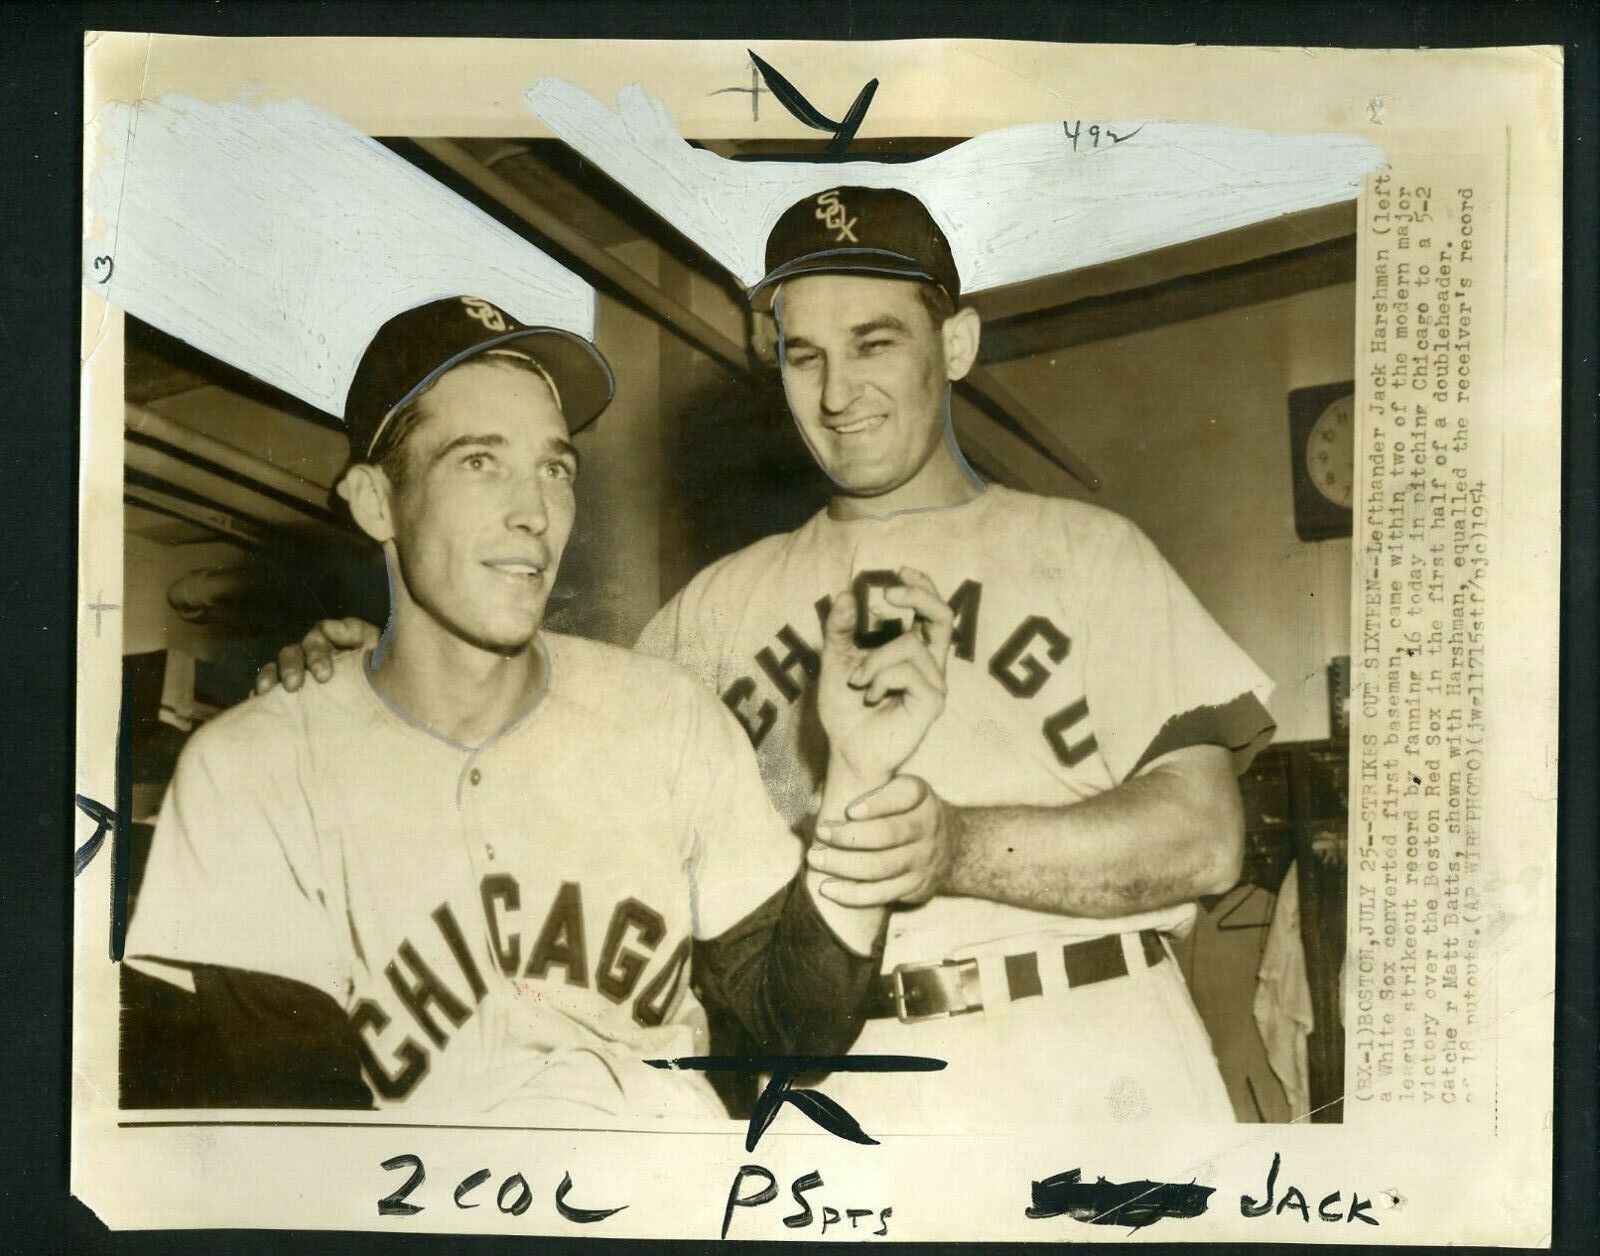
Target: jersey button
(475, 776)
(489, 851)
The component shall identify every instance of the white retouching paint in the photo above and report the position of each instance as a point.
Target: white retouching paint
(274, 236)
(1015, 204)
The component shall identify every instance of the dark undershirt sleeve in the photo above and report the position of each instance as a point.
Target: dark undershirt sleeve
(785, 978)
(241, 1040)
(1242, 727)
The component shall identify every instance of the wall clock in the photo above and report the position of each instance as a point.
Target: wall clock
(1322, 443)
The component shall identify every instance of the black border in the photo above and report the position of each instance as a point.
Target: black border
(40, 102)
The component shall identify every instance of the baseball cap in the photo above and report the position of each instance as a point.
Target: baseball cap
(876, 231)
(417, 346)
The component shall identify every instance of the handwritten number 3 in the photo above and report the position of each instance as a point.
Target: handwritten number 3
(109, 266)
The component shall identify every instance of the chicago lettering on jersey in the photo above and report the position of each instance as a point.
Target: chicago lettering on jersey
(1022, 665)
(439, 1004)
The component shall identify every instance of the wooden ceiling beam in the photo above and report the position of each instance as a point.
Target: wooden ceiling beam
(1171, 301)
(596, 265)
(1191, 257)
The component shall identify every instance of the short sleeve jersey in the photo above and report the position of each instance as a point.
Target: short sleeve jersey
(508, 926)
(1078, 655)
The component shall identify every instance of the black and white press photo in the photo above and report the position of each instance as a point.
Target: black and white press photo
(696, 623)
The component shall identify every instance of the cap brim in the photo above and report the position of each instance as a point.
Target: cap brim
(582, 375)
(838, 261)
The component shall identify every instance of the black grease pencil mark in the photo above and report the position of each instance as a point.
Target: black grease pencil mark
(583, 1216)
(823, 1111)
(1131, 1204)
(115, 821)
(828, 1113)
(790, 97)
(120, 853)
(104, 818)
(394, 1203)
(803, 1063)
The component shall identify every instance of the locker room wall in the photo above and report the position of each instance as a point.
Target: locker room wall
(610, 580)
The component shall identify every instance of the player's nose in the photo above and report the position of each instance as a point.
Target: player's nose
(839, 387)
(526, 510)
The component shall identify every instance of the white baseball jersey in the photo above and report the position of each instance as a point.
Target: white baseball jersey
(507, 926)
(1076, 648)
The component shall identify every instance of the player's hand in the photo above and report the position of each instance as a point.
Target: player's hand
(878, 704)
(897, 845)
(315, 652)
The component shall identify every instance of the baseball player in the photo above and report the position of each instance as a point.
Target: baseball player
(1079, 791)
(487, 868)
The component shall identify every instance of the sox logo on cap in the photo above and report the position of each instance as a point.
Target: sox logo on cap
(831, 210)
(484, 313)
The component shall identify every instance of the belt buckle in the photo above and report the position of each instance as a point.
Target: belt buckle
(898, 987)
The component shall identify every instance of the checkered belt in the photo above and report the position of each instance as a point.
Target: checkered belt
(950, 987)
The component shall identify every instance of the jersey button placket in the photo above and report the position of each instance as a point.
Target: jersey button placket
(470, 818)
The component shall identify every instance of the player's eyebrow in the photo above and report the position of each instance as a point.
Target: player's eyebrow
(884, 322)
(555, 446)
(492, 439)
(564, 448)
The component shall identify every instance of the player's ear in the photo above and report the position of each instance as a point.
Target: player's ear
(367, 491)
(960, 332)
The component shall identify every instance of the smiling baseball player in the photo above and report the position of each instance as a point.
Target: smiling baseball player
(1078, 793)
(487, 868)
(1079, 789)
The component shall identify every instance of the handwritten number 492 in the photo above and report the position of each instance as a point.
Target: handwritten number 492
(1092, 135)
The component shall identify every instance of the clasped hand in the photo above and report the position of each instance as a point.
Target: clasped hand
(894, 840)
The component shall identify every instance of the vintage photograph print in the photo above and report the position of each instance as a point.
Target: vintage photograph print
(691, 636)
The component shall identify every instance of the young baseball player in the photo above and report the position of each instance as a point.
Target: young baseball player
(488, 869)
(1077, 794)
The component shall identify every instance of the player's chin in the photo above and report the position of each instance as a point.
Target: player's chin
(869, 488)
(510, 630)
(508, 642)
(862, 477)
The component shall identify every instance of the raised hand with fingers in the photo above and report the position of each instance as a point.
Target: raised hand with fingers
(878, 703)
(314, 653)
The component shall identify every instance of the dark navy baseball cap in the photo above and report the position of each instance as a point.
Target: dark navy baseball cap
(874, 231)
(417, 346)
